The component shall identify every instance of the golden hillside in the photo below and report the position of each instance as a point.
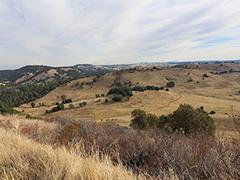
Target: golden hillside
(217, 92)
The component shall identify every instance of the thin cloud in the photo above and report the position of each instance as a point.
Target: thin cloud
(66, 32)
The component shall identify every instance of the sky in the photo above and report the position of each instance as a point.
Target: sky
(69, 32)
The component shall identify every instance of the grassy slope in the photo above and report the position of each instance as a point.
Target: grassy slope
(218, 93)
(63, 149)
(22, 158)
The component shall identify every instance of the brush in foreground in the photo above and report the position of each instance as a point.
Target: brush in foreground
(21, 158)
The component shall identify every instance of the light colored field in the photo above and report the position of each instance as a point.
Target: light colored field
(217, 92)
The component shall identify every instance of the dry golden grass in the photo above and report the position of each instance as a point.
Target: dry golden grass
(21, 158)
(66, 149)
(217, 93)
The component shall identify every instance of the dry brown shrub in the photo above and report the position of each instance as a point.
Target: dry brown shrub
(23, 159)
(154, 153)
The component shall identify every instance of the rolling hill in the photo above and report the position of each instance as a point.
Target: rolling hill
(38, 74)
(41, 74)
(198, 85)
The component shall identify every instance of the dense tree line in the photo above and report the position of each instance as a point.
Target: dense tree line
(16, 96)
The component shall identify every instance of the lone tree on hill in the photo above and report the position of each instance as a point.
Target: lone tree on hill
(63, 98)
(170, 84)
(33, 105)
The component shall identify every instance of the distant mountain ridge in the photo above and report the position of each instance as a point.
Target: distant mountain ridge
(41, 74)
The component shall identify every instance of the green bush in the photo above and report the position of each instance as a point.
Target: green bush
(144, 88)
(82, 104)
(185, 119)
(59, 107)
(5, 109)
(124, 91)
(152, 120)
(117, 98)
(188, 120)
(212, 112)
(153, 88)
(139, 119)
(205, 75)
(139, 88)
(170, 84)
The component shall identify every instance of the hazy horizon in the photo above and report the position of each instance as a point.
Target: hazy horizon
(69, 32)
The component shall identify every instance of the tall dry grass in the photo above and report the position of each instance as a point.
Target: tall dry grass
(21, 158)
(154, 154)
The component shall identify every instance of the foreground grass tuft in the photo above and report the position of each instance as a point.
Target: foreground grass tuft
(78, 150)
(21, 158)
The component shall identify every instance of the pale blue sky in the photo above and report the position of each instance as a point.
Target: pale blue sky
(68, 32)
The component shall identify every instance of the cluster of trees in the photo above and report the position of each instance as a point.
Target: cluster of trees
(185, 119)
(140, 88)
(145, 88)
(65, 100)
(57, 108)
(16, 96)
(6, 109)
(119, 92)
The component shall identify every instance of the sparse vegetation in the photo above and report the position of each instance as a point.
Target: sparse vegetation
(154, 153)
(57, 108)
(190, 80)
